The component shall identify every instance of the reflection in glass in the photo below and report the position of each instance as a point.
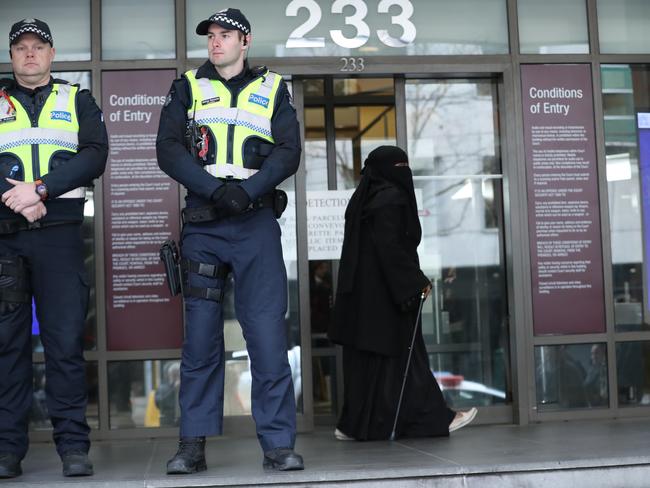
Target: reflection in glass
(69, 22)
(553, 26)
(363, 86)
(452, 127)
(39, 418)
(324, 381)
(623, 26)
(321, 296)
(625, 92)
(314, 87)
(315, 148)
(462, 392)
(571, 376)
(126, 36)
(359, 130)
(453, 151)
(632, 361)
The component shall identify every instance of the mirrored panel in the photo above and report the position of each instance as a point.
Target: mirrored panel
(623, 26)
(553, 27)
(633, 373)
(138, 30)
(39, 418)
(625, 94)
(571, 376)
(69, 22)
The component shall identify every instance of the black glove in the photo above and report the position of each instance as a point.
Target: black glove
(233, 199)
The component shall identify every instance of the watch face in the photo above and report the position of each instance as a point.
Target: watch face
(41, 189)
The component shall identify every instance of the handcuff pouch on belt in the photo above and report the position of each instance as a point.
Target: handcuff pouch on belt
(277, 200)
(170, 257)
(209, 270)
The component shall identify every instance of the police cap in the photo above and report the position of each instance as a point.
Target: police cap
(35, 26)
(229, 18)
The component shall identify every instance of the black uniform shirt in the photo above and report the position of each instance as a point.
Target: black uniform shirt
(175, 160)
(79, 171)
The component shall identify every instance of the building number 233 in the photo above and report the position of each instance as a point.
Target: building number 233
(298, 38)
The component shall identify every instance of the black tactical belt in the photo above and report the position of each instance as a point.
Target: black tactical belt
(209, 213)
(13, 226)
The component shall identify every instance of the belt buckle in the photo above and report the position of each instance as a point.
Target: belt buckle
(33, 225)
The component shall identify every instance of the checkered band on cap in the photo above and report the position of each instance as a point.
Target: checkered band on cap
(229, 18)
(34, 26)
(222, 17)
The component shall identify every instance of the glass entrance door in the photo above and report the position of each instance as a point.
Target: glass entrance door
(344, 120)
(453, 140)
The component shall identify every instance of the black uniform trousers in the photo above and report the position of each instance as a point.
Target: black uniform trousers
(59, 284)
(250, 245)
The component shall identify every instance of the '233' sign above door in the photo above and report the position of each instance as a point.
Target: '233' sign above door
(355, 17)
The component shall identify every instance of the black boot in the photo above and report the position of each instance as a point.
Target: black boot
(190, 457)
(283, 459)
(9, 465)
(76, 463)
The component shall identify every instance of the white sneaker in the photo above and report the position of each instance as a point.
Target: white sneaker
(462, 419)
(341, 436)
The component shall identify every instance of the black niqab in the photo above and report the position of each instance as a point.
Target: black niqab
(385, 166)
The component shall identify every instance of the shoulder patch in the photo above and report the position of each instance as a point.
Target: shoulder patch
(170, 96)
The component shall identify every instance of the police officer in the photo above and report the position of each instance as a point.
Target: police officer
(53, 143)
(243, 141)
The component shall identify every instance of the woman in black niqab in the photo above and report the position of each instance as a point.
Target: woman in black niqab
(378, 292)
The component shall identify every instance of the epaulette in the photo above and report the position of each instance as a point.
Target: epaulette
(259, 70)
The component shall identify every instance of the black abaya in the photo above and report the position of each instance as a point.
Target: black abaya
(380, 281)
(371, 392)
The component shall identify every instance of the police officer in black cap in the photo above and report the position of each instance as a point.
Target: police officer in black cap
(229, 134)
(53, 144)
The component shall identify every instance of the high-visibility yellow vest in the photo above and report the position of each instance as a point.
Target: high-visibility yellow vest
(232, 122)
(57, 131)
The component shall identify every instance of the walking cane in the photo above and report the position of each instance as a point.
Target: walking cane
(408, 364)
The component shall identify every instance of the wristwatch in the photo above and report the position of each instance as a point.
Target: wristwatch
(41, 189)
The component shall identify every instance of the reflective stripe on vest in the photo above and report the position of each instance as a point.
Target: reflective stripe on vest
(249, 117)
(57, 131)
